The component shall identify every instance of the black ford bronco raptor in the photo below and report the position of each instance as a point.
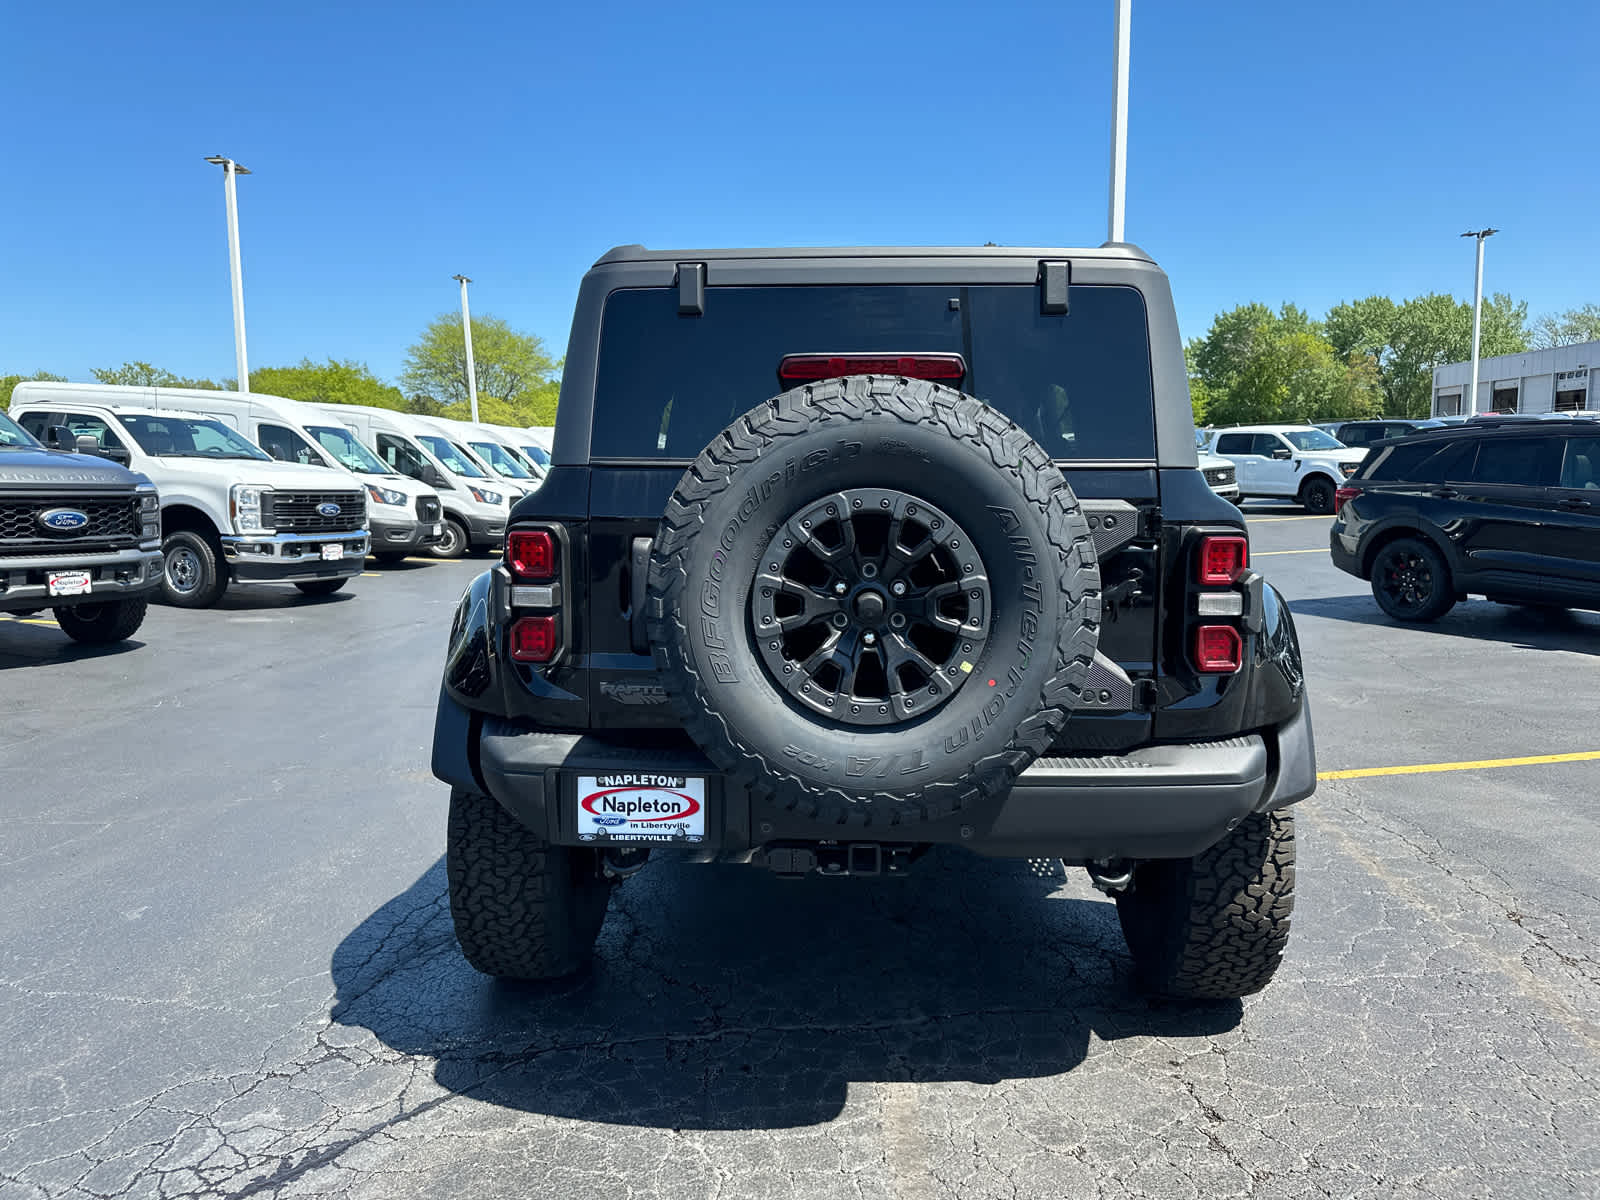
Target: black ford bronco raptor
(848, 553)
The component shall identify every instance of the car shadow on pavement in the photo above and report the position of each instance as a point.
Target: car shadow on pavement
(725, 998)
(1481, 620)
(46, 646)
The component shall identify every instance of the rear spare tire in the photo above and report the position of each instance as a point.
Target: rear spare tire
(873, 601)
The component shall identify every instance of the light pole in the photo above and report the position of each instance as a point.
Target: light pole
(1471, 406)
(230, 170)
(1119, 121)
(466, 329)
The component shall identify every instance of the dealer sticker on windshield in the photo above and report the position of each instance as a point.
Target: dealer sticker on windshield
(641, 808)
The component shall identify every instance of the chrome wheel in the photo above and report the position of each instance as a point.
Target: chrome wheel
(871, 606)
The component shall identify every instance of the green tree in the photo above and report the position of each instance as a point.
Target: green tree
(518, 381)
(143, 374)
(1404, 342)
(8, 382)
(1256, 365)
(1568, 328)
(337, 381)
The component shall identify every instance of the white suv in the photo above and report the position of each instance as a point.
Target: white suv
(1295, 462)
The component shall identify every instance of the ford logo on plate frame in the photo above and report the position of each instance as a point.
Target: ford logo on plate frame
(329, 509)
(63, 520)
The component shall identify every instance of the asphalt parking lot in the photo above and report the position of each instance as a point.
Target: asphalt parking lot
(227, 966)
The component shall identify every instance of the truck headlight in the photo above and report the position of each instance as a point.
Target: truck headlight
(251, 507)
(385, 496)
(484, 496)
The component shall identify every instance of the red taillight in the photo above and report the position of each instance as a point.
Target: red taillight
(1343, 495)
(533, 639)
(531, 554)
(797, 368)
(1221, 560)
(1218, 649)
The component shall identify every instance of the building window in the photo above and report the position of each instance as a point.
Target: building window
(1572, 390)
(1505, 398)
(1447, 404)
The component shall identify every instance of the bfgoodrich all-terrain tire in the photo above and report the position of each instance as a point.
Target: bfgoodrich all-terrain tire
(523, 909)
(873, 600)
(1214, 927)
(103, 623)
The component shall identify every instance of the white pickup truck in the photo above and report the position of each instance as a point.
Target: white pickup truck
(229, 513)
(1294, 462)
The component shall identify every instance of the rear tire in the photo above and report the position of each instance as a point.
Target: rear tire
(192, 574)
(1214, 927)
(454, 543)
(104, 623)
(321, 587)
(1411, 582)
(1317, 495)
(523, 909)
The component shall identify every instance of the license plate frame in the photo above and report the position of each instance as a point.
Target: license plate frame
(332, 551)
(69, 583)
(645, 808)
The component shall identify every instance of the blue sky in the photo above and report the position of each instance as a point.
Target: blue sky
(1277, 152)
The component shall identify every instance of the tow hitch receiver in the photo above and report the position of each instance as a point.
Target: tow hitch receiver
(850, 858)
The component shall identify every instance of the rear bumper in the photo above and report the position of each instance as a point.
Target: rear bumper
(1165, 801)
(114, 575)
(1342, 549)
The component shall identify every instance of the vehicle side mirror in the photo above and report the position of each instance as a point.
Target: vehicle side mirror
(1282, 454)
(87, 443)
(430, 475)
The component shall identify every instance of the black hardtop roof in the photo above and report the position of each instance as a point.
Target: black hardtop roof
(1109, 250)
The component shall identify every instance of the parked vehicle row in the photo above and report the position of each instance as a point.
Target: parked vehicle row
(234, 488)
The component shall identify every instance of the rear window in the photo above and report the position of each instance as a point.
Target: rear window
(1079, 382)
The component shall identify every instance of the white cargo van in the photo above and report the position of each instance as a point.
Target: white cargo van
(475, 510)
(229, 512)
(494, 450)
(404, 516)
(447, 441)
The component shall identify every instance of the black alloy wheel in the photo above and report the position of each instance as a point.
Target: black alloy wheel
(871, 606)
(1411, 582)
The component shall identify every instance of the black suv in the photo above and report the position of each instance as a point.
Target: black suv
(1506, 509)
(1360, 434)
(846, 554)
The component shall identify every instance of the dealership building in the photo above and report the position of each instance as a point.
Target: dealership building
(1561, 379)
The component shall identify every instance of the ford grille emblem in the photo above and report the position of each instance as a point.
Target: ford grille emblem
(63, 520)
(329, 510)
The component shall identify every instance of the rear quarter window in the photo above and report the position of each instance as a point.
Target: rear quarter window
(1420, 462)
(1079, 382)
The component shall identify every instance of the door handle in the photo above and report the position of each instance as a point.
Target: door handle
(1446, 493)
(1574, 502)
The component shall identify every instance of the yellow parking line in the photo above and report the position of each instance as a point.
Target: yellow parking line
(1477, 765)
(372, 574)
(1270, 553)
